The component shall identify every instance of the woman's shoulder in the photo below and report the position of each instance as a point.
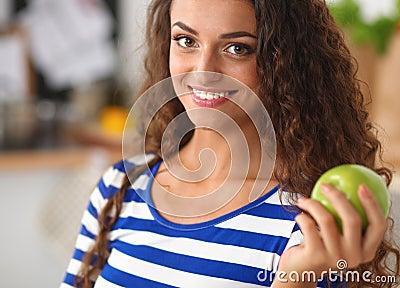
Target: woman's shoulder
(115, 175)
(277, 204)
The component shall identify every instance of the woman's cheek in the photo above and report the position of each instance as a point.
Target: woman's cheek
(177, 65)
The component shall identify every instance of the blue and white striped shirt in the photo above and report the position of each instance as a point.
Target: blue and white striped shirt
(240, 249)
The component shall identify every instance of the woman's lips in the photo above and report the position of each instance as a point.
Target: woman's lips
(210, 97)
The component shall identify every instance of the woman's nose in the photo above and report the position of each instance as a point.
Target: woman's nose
(207, 61)
(208, 68)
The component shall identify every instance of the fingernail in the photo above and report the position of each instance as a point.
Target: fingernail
(325, 189)
(365, 192)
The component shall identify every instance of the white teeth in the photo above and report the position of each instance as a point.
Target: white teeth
(209, 95)
(200, 94)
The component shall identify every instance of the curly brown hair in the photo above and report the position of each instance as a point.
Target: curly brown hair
(309, 87)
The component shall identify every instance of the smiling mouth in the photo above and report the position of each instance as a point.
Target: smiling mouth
(210, 97)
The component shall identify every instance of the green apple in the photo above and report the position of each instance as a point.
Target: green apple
(347, 178)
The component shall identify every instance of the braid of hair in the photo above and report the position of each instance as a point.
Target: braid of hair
(95, 259)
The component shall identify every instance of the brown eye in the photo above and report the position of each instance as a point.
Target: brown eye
(185, 42)
(239, 49)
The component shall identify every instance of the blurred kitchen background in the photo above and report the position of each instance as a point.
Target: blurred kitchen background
(69, 70)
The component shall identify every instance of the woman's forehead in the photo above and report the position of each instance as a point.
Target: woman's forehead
(231, 2)
(231, 14)
(195, 6)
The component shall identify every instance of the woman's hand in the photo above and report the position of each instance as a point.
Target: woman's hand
(324, 245)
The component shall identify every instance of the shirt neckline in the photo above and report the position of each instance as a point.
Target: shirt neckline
(178, 226)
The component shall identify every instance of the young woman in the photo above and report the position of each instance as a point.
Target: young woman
(290, 54)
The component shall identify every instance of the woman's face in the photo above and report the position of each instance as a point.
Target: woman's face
(213, 36)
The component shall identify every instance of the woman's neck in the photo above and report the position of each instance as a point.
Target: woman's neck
(228, 154)
(229, 170)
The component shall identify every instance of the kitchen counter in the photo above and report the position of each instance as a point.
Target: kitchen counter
(53, 159)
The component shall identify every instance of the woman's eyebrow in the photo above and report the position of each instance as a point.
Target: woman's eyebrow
(231, 35)
(185, 27)
(237, 35)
